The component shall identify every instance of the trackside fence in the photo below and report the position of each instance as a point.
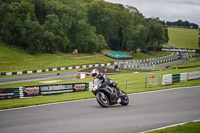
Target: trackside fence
(135, 82)
(152, 80)
(182, 77)
(121, 65)
(42, 90)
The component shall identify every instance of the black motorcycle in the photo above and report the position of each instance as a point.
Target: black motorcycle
(107, 95)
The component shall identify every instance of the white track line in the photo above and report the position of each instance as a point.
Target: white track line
(170, 89)
(178, 124)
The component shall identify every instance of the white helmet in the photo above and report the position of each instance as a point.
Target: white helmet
(95, 73)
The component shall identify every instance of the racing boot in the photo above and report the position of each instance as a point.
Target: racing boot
(118, 92)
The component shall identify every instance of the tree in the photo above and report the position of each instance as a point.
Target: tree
(133, 18)
(101, 43)
(166, 35)
(199, 42)
(137, 38)
(13, 21)
(6, 23)
(48, 42)
(156, 35)
(199, 38)
(32, 36)
(109, 21)
(181, 23)
(86, 25)
(53, 25)
(86, 38)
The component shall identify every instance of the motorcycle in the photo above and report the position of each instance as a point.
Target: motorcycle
(106, 95)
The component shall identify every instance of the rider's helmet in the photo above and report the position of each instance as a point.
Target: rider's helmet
(95, 73)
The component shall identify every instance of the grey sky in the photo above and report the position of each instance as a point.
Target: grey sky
(168, 10)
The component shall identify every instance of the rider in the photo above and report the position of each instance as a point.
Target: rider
(101, 78)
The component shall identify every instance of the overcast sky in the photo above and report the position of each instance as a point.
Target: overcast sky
(168, 10)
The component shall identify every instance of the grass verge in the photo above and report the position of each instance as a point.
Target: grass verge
(183, 38)
(135, 83)
(133, 88)
(191, 127)
(17, 60)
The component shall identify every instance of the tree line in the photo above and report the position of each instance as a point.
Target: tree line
(184, 24)
(86, 25)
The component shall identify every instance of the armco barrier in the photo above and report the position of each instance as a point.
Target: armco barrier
(193, 75)
(137, 64)
(175, 78)
(55, 69)
(29, 91)
(167, 79)
(182, 77)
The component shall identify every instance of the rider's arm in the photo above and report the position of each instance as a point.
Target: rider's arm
(110, 82)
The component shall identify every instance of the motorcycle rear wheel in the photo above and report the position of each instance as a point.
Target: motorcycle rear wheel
(102, 99)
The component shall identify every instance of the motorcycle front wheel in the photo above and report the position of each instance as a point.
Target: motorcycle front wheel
(102, 99)
(124, 99)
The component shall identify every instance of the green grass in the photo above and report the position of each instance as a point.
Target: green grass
(183, 38)
(118, 77)
(136, 83)
(191, 127)
(195, 63)
(17, 60)
(152, 54)
(15, 103)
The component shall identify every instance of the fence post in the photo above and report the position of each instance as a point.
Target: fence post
(146, 82)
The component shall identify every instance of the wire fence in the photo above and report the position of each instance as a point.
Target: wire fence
(151, 80)
(131, 82)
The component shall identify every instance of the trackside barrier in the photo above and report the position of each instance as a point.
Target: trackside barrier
(182, 77)
(167, 79)
(127, 64)
(152, 80)
(55, 69)
(146, 62)
(90, 85)
(29, 91)
(193, 75)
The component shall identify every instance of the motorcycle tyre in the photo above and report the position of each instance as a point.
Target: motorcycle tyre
(99, 100)
(124, 102)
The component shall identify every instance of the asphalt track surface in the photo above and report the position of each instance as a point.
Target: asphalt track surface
(165, 65)
(146, 111)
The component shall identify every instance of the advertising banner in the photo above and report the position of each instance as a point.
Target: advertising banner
(175, 50)
(28, 91)
(31, 91)
(180, 50)
(7, 93)
(79, 87)
(56, 89)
